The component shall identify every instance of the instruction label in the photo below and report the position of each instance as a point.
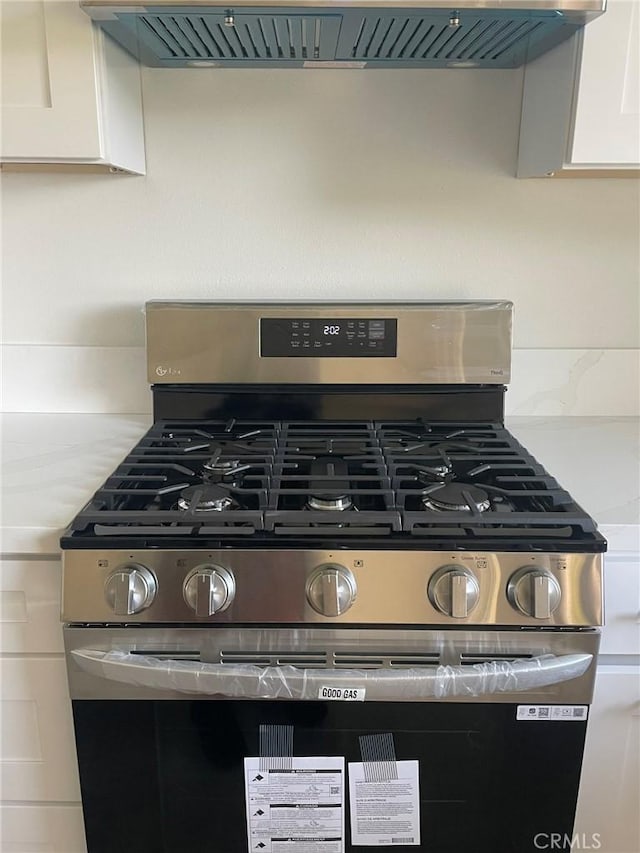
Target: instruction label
(299, 808)
(385, 812)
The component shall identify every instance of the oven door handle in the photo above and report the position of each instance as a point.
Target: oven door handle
(244, 681)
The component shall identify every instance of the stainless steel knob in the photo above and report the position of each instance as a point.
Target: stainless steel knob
(454, 591)
(331, 590)
(209, 590)
(534, 592)
(130, 589)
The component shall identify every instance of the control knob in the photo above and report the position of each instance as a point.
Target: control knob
(130, 589)
(209, 590)
(534, 592)
(454, 590)
(331, 590)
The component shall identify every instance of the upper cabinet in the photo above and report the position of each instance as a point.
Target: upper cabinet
(581, 101)
(69, 94)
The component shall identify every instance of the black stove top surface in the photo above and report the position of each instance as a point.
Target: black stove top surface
(385, 484)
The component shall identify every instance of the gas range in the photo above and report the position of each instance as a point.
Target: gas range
(426, 520)
(328, 534)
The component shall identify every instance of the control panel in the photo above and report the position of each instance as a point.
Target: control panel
(256, 586)
(337, 337)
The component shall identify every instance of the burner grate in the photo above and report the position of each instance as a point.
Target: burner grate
(448, 481)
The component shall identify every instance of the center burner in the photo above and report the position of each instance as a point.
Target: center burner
(456, 497)
(207, 498)
(329, 471)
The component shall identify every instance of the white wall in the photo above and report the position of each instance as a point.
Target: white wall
(321, 184)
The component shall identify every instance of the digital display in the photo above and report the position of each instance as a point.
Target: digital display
(328, 338)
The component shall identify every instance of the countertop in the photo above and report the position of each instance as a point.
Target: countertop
(53, 463)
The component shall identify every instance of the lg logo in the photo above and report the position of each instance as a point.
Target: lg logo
(163, 371)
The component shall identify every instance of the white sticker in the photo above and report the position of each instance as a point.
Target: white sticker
(333, 63)
(344, 694)
(553, 713)
(299, 808)
(386, 812)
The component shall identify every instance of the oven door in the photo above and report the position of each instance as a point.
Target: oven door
(165, 717)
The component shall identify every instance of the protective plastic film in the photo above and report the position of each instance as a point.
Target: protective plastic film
(289, 682)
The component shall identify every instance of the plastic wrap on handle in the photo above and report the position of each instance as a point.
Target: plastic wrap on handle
(289, 682)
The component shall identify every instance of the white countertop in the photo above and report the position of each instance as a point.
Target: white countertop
(53, 463)
(51, 466)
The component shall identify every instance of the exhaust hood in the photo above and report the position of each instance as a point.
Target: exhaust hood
(325, 33)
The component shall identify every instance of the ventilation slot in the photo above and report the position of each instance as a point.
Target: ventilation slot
(384, 660)
(269, 658)
(513, 40)
(167, 654)
(470, 659)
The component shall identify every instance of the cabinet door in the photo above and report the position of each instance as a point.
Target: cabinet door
(38, 759)
(49, 93)
(30, 607)
(610, 783)
(67, 96)
(581, 101)
(41, 829)
(607, 120)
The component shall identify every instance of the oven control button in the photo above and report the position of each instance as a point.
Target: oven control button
(209, 590)
(454, 591)
(331, 590)
(534, 592)
(130, 589)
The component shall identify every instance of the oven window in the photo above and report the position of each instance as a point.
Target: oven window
(167, 776)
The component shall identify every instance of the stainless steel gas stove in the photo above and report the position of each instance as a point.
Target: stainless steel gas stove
(328, 505)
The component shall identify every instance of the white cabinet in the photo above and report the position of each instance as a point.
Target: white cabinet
(40, 807)
(581, 101)
(610, 784)
(41, 829)
(621, 635)
(38, 762)
(30, 607)
(70, 95)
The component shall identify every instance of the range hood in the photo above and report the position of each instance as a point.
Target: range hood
(362, 34)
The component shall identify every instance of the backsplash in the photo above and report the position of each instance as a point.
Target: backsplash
(321, 185)
(113, 379)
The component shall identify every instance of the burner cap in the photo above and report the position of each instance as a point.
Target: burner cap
(450, 498)
(210, 499)
(217, 465)
(329, 502)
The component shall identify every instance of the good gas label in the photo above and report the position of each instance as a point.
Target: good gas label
(344, 694)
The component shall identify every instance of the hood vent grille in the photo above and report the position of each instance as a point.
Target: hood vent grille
(274, 38)
(415, 39)
(179, 35)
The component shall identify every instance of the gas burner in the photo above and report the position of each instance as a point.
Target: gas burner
(333, 503)
(456, 497)
(216, 465)
(209, 498)
(437, 471)
(330, 471)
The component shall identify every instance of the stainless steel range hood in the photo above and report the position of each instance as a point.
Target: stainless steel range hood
(362, 34)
